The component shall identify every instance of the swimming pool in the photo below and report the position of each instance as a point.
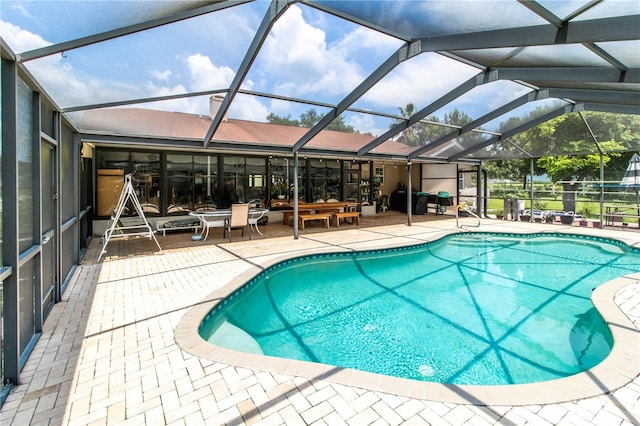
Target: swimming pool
(486, 271)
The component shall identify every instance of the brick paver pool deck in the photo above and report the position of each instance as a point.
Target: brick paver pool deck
(108, 352)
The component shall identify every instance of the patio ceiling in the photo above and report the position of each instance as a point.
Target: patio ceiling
(505, 65)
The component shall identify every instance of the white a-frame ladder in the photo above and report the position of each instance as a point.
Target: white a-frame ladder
(115, 229)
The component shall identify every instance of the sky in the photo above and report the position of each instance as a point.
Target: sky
(308, 55)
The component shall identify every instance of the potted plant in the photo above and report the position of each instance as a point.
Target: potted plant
(586, 212)
(280, 188)
(567, 218)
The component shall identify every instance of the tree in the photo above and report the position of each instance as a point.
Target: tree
(309, 119)
(339, 125)
(432, 128)
(574, 152)
(513, 170)
(410, 136)
(285, 121)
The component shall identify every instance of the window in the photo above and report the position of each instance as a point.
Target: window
(180, 183)
(145, 177)
(244, 179)
(205, 169)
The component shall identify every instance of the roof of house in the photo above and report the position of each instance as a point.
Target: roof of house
(152, 124)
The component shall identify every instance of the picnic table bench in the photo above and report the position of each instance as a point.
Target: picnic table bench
(309, 208)
(288, 214)
(315, 216)
(354, 216)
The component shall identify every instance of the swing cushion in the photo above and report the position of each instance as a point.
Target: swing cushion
(181, 223)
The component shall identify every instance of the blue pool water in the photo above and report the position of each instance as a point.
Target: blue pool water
(470, 308)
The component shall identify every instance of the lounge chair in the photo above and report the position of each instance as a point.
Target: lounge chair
(239, 220)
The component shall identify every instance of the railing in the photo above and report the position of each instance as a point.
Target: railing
(592, 199)
(469, 211)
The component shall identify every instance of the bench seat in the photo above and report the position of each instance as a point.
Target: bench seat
(163, 226)
(302, 218)
(288, 214)
(354, 216)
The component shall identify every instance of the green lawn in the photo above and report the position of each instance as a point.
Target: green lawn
(587, 208)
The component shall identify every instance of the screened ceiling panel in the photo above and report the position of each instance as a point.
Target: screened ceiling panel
(284, 108)
(312, 65)
(555, 56)
(376, 125)
(85, 18)
(406, 76)
(419, 81)
(411, 19)
(479, 101)
(417, 136)
(605, 9)
(627, 52)
(501, 150)
(454, 148)
(627, 88)
(198, 54)
(522, 114)
(464, 143)
(562, 9)
(486, 57)
(147, 120)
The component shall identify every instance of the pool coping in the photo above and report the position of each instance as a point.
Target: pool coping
(621, 366)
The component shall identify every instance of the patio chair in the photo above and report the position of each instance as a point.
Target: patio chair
(239, 220)
(253, 221)
(548, 216)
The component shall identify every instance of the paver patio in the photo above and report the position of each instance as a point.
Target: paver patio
(108, 355)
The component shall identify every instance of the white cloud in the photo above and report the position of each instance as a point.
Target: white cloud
(297, 58)
(205, 75)
(156, 91)
(280, 107)
(20, 40)
(420, 81)
(161, 75)
(248, 108)
(69, 87)
(365, 124)
(363, 38)
(21, 9)
(65, 84)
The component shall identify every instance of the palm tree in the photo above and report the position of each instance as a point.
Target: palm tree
(411, 136)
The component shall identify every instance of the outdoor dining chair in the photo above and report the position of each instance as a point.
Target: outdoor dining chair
(239, 220)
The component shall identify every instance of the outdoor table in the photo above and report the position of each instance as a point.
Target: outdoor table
(217, 219)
